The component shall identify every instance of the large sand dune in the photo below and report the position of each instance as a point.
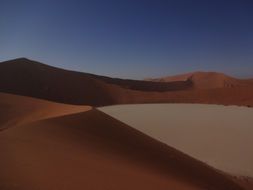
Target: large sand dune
(30, 78)
(88, 149)
(218, 135)
(48, 145)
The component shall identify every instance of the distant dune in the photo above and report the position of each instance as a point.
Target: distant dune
(30, 78)
(207, 80)
(83, 148)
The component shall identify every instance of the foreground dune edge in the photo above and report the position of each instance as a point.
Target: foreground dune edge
(50, 145)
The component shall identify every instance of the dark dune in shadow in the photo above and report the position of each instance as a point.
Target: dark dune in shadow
(30, 78)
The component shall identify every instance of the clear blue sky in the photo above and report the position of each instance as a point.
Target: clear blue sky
(131, 38)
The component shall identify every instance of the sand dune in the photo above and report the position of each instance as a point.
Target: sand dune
(88, 149)
(48, 145)
(207, 80)
(18, 110)
(30, 78)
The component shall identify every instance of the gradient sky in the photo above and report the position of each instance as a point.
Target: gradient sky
(131, 38)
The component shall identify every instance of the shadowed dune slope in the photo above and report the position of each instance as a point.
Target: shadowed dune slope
(91, 150)
(30, 78)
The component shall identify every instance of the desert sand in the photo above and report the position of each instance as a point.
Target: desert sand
(18, 110)
(220, 136)
(34, 79)
(49, 144)
(207, 80)
(71, 147)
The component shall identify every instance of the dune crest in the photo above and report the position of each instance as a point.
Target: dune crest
(31, 78)
(18, 110)
(34, 79)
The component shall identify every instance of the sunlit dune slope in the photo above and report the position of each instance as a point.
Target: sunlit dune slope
(207, 80)
(90, 150)
(17, 110)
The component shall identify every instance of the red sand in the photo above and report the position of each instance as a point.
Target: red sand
(90, 150)
(17, 110)
(207, 80)
(48, 145)
(29, 78)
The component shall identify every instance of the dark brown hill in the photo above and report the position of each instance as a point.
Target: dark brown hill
(31, 78)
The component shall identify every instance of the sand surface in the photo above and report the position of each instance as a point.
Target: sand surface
(34, 79)
(18, 110)
(221, 136)
(68, 148)
(207, 80)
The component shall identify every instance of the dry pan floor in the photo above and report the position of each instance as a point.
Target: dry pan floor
(218, 135)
